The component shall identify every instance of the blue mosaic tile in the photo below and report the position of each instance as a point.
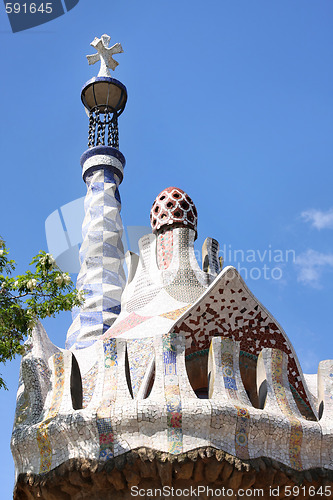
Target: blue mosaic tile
(230, 383)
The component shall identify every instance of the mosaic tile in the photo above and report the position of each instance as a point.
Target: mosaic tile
(174, 314)
(237, 315)
(164, 249)
(229, 358)
(172, 395)
(125, 325)
(173, 206)
(43, 440)
(101, 249)
(140, 354)
(104, 423)
(296, 431)
(88, 385)
(242, 432)
(185, 286)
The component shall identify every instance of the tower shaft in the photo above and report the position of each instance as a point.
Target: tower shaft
(101, 276)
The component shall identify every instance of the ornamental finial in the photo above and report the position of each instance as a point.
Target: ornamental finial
(104, 54)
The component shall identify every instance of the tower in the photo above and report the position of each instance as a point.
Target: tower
(179, 378)
(101, 276)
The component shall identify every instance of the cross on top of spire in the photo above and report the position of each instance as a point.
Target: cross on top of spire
(104, 54)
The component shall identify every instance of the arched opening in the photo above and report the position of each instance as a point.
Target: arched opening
(128, 374)
(248, 371)
(303, 408)
(197, 367)
(76, 385)
(262, 394)
(150, 384)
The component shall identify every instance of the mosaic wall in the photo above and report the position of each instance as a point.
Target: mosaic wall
(104, 422)
(296, 434)
(299, 438)
(171, 418)
(164, 249)
(144, 288)
(135, 387)
(89, 384)
(231, 385)
(140, 356)
(225, 384)
(172, 395)
(101, 275)
(159, 293)
(325, 405)
(185, 287)
(43, 439)
(229, 309)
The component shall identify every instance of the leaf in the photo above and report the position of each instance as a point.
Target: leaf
(28, 297)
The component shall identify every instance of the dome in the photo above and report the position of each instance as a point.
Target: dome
(173, 207)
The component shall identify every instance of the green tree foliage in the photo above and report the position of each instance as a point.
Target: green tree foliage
(43, 291)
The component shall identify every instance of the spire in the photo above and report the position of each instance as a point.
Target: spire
(101, 276)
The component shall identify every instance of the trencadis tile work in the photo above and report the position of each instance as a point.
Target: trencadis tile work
(158, 360)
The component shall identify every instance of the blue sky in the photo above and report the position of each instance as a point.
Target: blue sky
(229, 100)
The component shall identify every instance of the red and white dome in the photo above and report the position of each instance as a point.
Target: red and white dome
(173, 206)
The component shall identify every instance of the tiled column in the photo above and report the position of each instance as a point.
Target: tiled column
(325, 403)
(102, 276)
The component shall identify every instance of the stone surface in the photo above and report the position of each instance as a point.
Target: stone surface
(212, 470)
(65, 483)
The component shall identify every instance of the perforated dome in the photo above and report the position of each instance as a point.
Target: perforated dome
(173, 206)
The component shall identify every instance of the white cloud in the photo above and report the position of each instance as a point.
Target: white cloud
(318, 218)
(311, 265)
